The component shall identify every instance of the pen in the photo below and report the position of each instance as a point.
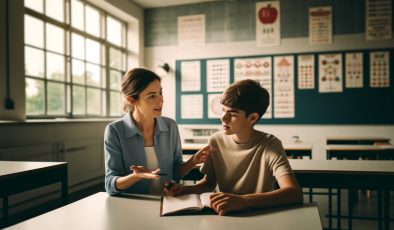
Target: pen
(162, 174)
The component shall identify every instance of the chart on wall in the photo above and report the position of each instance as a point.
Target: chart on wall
(336, 87)
(258, 69)
(354, 70)
(330, 73)
(284, 87)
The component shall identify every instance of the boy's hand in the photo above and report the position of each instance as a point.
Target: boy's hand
(172, 189)
(144, 173)
(202, 155)
(222, 203)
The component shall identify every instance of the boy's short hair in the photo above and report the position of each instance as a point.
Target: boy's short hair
(247, 95)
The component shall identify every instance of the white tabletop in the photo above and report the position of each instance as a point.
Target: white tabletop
(359, 147)
(337, 166)
(353, 138)
(101, 211)
(13, 167)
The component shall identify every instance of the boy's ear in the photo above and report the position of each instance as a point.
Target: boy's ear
(254, 117)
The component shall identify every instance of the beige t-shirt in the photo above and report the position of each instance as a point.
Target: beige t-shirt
(246, 168)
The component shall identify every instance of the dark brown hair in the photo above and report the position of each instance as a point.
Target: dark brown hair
(247, 95)
(134, 82)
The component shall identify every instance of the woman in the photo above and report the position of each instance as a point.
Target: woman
(143, 149)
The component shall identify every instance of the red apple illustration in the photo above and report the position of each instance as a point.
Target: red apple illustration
(268, 15)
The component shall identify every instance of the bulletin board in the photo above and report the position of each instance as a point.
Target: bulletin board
(369, 104)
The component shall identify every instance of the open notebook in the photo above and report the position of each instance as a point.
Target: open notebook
(191, 202)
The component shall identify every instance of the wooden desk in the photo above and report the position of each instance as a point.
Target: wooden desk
(103, 212)
(355, 152)
(350, 174)
(292, 150)
(17, 176)
(343, 140)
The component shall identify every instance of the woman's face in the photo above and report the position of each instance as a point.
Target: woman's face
(150, 100)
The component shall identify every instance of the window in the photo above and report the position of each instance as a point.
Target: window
(75, 57)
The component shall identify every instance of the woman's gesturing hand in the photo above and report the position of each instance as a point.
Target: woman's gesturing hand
(144, 173)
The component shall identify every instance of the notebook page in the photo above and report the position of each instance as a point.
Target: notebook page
(173, 204)
(205, 201)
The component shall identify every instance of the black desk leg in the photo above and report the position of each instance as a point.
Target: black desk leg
(310, 195)
(5, 210)
(329, 208)
(380, 217)
(339, 214)
(350, 208)
(65, 187)
(386, 205)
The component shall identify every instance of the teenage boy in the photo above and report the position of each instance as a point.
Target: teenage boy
(247, 162)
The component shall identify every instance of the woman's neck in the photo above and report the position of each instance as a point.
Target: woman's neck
(144, 123)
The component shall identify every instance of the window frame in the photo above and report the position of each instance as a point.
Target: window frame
(68, 81)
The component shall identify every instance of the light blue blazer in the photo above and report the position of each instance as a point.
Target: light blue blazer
(124, 146)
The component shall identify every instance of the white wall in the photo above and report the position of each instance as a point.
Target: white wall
(313, 134)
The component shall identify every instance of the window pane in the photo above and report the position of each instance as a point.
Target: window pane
(93, 75)
(92, 21)
(36, 5)
(114, 31)
(55, 9)
(94, 101)
(35, 97)
(93, 51)
(54, 38)
(78, 46)
(55, 66)
(78, 72)
(34, 31)
(78, 100)
(115, 59)
(34, 62)
(114, 79)
(77, 19)
(115, 104)
(56, 100)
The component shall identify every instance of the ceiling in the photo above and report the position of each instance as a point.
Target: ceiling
(164, 3)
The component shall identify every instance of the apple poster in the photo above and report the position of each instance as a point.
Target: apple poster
(267, 23)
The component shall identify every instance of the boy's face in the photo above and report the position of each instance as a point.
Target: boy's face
(234, 121)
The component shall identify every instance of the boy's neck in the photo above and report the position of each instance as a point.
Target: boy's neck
(244, 137)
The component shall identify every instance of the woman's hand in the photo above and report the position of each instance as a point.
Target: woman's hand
(144, 173)
(202, 155)
(225, 202)
(172, 188)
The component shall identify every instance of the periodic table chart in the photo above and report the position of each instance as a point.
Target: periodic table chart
(336, 87)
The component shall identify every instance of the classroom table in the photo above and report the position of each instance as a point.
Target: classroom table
(354, 152)
(292, 150)
(18, 176)
(349, 174)
(351, 140)
(129, 211)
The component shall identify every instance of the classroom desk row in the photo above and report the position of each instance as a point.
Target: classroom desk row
(354, 152)
(351, 174)
(292, 150)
